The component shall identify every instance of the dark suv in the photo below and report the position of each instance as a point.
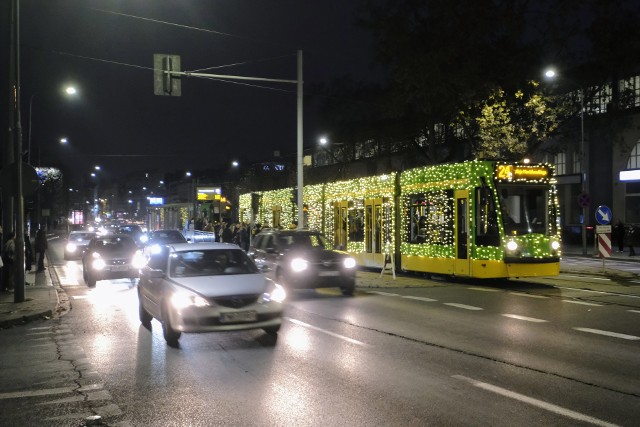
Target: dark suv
(303, 259)
(111, 257)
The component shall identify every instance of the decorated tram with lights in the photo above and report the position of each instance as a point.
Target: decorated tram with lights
(481, 219)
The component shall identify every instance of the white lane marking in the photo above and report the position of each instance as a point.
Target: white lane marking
(581, 303)
(483, 289)
(587, 277)
(635, 281)
(528, 319)
(520, 294)
(388, 294)
(80, 296)
(598, 292)
(421, 298)
(634, 311)
(324, 331)
(31, 393)
(39, 333)
(41, 327)
(535, 402)
(466, 307)
(609, 334)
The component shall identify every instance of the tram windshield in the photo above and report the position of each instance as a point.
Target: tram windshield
(527, 209)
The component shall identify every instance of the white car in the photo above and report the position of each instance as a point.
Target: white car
(77, 243)
(207, 287)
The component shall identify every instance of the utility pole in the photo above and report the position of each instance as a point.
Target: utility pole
(17, 156)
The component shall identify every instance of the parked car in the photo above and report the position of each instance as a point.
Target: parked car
(77, 243)
(207, 287)
(114, 256)
(303, 259)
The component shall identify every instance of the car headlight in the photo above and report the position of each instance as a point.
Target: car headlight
(71, 247)
(183, 299)
(144, 238)
(139, 260)
(349, 262)
(98, 263)
(299, 264)
(555, 245)
(512, 245)
(155, 249)
(277, 294)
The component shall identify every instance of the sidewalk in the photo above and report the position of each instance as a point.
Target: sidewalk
(42, 300)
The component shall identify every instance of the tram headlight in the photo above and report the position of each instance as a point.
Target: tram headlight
(555, 245)
(512, 245)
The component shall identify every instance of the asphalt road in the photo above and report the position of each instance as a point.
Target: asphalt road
(444, 353)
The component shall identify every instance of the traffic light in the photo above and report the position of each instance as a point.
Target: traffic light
(165, 81)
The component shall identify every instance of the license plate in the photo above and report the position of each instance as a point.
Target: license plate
(328, 273)
(119, 267)
(239, 316)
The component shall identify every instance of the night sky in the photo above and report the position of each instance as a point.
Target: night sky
(117, 122)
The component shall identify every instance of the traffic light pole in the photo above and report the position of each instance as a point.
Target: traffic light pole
(167, 89)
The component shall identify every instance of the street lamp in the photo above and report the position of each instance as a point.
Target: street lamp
(550, 73)
(323, 143)
(69, 90)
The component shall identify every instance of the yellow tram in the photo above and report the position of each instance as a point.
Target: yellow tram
(482, 219)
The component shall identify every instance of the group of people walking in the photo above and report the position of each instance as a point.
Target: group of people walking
(8, 258)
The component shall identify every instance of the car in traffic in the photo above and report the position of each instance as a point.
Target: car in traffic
(77, 243)
(159, 238)
(303, 259)
(113, 256)
(135, 232)
(207, 287)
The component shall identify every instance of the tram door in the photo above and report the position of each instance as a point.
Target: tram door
(462, 232)
(373, 233)
(340, 221)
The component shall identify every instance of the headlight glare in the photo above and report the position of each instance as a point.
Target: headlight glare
(277, 294)
(512, 245)
(139, 260)
(98, 263)
(184, 299)
(349, 262)
(555, 245)
(299, 264)
(71, 247)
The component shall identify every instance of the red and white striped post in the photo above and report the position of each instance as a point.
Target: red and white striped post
(604, 242)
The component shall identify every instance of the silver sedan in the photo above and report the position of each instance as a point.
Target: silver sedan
(207, 287)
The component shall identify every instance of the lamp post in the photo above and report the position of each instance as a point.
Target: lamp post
(70, 91)
(323, 143)
(584, 160)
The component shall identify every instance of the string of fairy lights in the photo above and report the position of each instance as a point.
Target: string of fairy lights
(372, 199)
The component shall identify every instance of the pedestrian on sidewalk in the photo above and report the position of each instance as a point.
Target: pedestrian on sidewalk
(28, 252)
(41, 247)
(8, 260)
(630, 239)
(619, 230)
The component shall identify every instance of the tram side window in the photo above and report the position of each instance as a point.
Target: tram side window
(487, 231)
(356, 224)
(431, 218)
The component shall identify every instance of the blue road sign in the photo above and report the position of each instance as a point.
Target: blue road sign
(603, 215)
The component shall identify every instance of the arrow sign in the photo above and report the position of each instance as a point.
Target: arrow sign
(603, 215)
